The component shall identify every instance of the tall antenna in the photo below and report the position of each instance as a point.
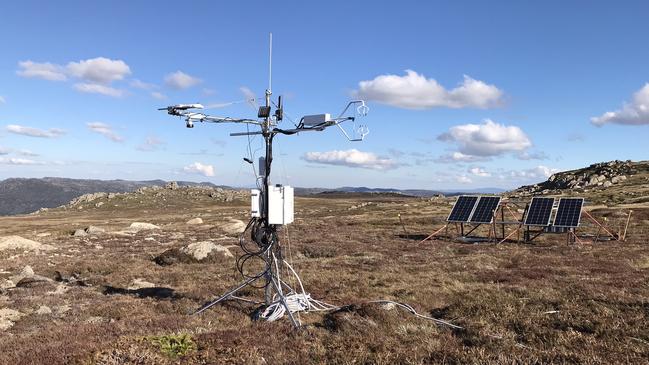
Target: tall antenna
(272, 205)
(270, 63)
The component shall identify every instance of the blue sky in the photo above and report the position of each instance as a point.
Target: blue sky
(461, 95)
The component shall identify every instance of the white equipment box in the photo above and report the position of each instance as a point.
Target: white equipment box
(255, 206)
(280, 204)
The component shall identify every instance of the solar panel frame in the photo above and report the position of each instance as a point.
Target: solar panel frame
(485, 209)
(569, 212)
(537, 211)
(463, 209)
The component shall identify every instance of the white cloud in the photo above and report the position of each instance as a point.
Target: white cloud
(99, 89)
(4, 151)
(139, 84)
(526, 156)
(487, 139)
(634, 113)
(99, 70)
(538, 172)
(180, 80)
(27, 153)
(18, 161)
(158, 95)
(34, 132)
(105, 130)
(415, 91)
(463, 179)
(479, 171)
(151, 143)
(46, 71)
(459, 157)
(199, 168)
(351, 158)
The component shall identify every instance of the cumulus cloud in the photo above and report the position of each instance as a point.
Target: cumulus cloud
(199, 168)
(462, 179)
(151, 143)
(34, 132)
(634, 113)
(99, 70)
(90, 88)
(158, 95)
(105, 130)
(415, 91)
(526, 156)
(180, 80)
(479, 171)
(351, 158)
(139, 84)
(538, 172)
(95, 74)
(45, 71)
(18, 161)
(459, 157)
(486, 139)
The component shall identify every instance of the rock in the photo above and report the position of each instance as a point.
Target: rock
(172, 185)
(98, 205)
(80, 233)
(111, 195)
(195, 252)
(94, 230)
(388, 306)
(139, 283)
(233, 227)
(19, 243)
(43, 309)
(195, 221)
(44, 234)
(87, 198)
(200, 250)
(8, 317)
(606, 184)
(139, 226)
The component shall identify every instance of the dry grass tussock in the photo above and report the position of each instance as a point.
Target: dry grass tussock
(518, 304)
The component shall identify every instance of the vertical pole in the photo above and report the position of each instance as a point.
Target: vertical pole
(268, 228)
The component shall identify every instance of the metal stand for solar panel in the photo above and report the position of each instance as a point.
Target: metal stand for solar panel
(267, 122)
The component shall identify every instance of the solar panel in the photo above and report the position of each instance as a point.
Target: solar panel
(484, 211)
(539, 212)
(569, 212)
(462, 209)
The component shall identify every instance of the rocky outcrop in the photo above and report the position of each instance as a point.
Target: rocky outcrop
(603, 175)
(204, 251)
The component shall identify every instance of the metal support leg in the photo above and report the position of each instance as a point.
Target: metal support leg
(224, 296)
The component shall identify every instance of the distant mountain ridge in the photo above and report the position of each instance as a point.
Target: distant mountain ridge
(26, 195)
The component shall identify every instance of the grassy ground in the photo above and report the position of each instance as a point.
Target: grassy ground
(517, 303)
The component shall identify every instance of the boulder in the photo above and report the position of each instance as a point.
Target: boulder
(140, 283)
(80, 233)
(172, 185)
(200, 250)
(140, 226)
(19, 243)
(94, 230)
(232, 227)
(195, 221)
(204, 251)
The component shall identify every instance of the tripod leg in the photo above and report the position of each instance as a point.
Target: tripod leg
(282, 299)
(224, 296)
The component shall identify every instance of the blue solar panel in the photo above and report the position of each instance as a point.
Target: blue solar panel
(569, 212)
(539, 212)
(484, 211)
(462, 209)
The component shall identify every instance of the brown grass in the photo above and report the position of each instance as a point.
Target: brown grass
(528, 304)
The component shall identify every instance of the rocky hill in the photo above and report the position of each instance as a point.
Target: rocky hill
(613, 182)
(19, 195)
